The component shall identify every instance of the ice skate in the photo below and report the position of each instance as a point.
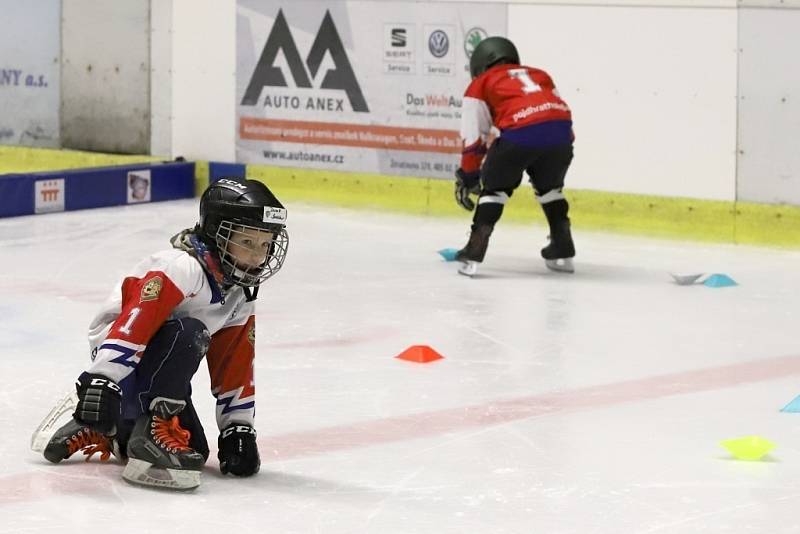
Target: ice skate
(474, 251)
(559, 253)
(47, 428)
(158, 450)
(75, 436)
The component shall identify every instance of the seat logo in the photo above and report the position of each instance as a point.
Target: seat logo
(399, 37)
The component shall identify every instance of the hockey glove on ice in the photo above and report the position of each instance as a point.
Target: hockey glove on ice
(98, 402)
(467, 183)
(238, 452)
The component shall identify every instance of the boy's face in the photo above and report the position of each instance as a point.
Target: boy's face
(139, 189)
(249, 246)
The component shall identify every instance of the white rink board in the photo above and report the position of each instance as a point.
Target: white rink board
(105, 76)
(769, 119)
(648, 116)
(203, 79)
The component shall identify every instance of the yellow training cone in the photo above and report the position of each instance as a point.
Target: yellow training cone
(748, 447)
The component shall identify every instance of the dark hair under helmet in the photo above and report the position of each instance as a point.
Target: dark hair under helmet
(232, 210)
(492, 51)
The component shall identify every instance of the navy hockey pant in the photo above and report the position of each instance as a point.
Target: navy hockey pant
(168, 363)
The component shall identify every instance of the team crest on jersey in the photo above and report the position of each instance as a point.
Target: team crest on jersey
(251, 335)
(152, 289)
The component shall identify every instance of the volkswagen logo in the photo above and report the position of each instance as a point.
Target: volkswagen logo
(438, 43)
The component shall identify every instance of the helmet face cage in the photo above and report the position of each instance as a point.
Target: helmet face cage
(231, 240)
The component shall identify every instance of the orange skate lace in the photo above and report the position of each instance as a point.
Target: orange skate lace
(171, 434)
(90, 442)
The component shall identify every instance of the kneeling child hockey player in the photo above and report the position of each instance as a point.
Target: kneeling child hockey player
(193, 301)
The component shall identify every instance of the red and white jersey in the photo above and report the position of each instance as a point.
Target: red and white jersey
(172, 285)
(507, 97)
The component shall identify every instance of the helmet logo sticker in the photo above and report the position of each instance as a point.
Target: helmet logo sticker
(151, 289)
(233, 183)
(274, 215)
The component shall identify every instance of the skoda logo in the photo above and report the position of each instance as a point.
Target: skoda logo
(438, 43)
(472, 38)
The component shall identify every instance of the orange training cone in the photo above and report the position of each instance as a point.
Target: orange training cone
(419, 354)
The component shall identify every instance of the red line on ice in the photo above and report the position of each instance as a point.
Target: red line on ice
(426, 424)
(80, 479)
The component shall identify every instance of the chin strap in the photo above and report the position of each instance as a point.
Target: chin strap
(250, 293)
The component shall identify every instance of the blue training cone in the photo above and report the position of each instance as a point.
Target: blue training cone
(719, 280)
(449, 254)
(792, 407)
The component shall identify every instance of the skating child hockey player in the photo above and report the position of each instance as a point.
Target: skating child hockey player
(536, 137)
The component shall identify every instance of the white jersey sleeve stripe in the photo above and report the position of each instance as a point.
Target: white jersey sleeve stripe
(476, 121)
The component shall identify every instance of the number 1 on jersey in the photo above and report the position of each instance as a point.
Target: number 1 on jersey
(126, 328)
(528, 85)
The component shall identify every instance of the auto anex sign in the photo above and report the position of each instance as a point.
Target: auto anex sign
(304, 72)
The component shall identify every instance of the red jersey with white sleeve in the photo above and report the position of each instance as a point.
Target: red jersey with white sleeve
(508, 97)
(173, 285)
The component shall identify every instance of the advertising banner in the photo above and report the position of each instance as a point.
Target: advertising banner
(356, 86)
(30, 51)
(48, 195)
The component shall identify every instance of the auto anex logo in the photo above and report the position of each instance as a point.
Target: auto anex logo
(266, 74)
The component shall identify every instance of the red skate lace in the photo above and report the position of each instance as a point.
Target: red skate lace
(171, 433)
(89, 442)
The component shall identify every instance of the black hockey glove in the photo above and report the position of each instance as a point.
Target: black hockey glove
(467, 183)
(238, 452)
(98, 402)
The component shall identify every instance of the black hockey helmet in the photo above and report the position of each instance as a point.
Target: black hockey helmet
(492, 51)
(231, 212)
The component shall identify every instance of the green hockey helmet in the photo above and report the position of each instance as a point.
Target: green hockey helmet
(492, 51)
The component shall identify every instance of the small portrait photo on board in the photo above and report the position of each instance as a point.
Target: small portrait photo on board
(139, 186)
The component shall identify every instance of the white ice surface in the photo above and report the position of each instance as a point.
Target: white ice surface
(585, 403)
